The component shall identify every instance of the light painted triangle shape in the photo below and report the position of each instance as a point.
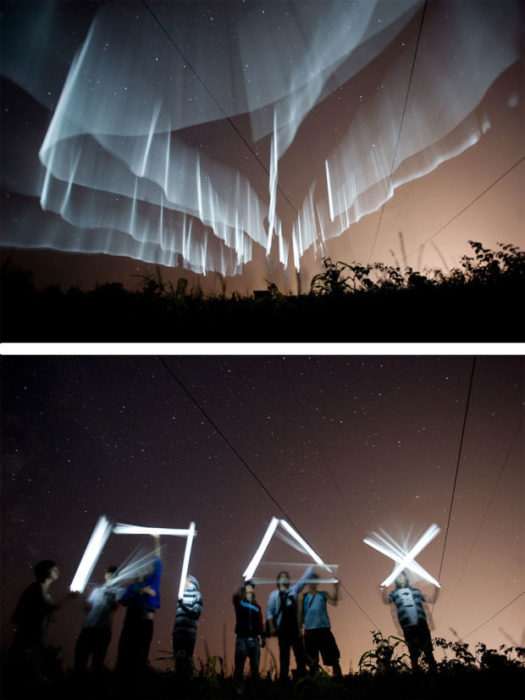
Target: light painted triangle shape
(270, 531)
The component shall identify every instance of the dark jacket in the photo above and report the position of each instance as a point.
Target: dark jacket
(248, 615)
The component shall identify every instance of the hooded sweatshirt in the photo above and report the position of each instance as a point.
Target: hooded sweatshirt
(189, 610)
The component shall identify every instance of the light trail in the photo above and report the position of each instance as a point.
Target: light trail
(186, 560)
(132, 569)
(263, 581)
(121, 529)
(92, 552)
(405, 559)
(189, 533)
(248, 573)
(304, 544)
(270, 530)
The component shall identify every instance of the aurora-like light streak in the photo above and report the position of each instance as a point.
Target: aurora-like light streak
(123, 171)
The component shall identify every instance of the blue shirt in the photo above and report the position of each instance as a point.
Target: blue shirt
(274, 611)
(315, 614)
(146, 603)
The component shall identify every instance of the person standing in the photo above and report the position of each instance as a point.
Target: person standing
(282, 617)
(142, 599)
(34, 607)
(189, 609)
(413, 621)
(318, 637)
(95, 635)
(249, 629)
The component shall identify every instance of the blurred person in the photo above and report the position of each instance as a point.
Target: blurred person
(282, 619)
(413, 620)
(318, 637)
(184, 635)
(34, 607)
(95, 635)
(249, 629)
(142, 599)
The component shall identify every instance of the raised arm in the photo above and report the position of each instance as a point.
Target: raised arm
(156, 545)
(298, 587)
(334, 597)
(433, 597)
(384, 595)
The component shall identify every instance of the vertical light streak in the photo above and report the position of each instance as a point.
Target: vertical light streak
(329, 188)
(186, 560)
(262, 548)
(274, 165)
(92, 552)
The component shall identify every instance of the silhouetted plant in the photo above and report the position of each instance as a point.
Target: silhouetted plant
(385, 656)
(332, 281)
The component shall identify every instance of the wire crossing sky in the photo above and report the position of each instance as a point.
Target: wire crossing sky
(83, 436)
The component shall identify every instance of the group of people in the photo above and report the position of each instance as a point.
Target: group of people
(289, 608)
(141, 600)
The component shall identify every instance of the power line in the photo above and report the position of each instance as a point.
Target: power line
(246, 465)
(456, 474)
(400, 125)
(338, 489)
(223, 436)
(228, 119)
(469, 204)
(495, 615)
(509, 452)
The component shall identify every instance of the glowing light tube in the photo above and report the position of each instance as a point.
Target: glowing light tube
(305, 545)
(262, 548)
(132, 569)
(405, 559)
(91, 554)
(121, 529)
(317, 581)
(186, 560)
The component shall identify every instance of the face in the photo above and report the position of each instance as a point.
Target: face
(312, 587)
(402, 580)
(283, 580)
(54, 573)
(249, 592)
(108, 575)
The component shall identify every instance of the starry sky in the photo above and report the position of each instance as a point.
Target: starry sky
(344, 445)
(151, 131)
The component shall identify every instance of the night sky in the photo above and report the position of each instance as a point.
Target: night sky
(345, 445)
(144, 130)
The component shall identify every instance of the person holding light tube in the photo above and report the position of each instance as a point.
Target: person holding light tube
(249, 628)
(141, 599)
(412, 618)
(189, 609)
